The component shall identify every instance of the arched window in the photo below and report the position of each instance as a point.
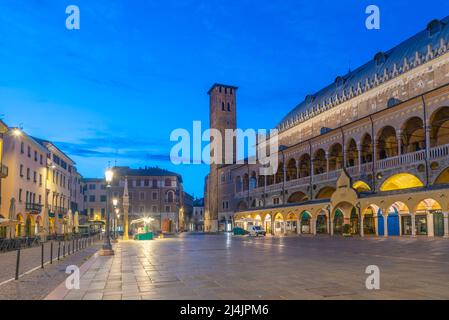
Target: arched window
(170, 196)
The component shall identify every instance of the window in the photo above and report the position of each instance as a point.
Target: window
(92, 186)
(103, 198)
(154, 183)
(142, 196)
(154, 209)
(21, 170)
(35, 156)
(147, 182)
(275, 200)
(22, 148)
(41, 159)
(40, 179)
(91, 198)
(29, 152)
(170, 196)
(103, 187)
(138, 182)
(34, 176)
(167, 208)
(154, 195)
(103, 212)
(20, 195)
(223, 106)
(229, 106)
(167, 182)
(142, 209)
(130, 196)
(40, 199)
(28, 173)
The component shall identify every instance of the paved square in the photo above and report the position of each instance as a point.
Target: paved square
(228, 267)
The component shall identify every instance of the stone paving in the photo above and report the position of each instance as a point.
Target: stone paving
(203, 267)
(38, 284)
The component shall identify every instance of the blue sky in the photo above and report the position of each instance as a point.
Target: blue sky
(137, 69)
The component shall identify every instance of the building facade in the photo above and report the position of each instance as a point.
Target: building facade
(198, 215)
(368, 154)
(153, 192)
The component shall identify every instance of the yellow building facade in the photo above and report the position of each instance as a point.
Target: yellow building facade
(367, 155)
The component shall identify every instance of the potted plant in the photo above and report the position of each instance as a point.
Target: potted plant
(347, 230)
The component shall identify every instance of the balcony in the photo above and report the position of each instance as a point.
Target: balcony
(4, 171)
(33, 208)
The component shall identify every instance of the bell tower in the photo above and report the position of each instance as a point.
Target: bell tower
(223, 115)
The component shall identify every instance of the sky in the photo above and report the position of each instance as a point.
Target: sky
(114, 90)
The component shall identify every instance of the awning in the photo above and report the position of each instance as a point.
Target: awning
(8, 222)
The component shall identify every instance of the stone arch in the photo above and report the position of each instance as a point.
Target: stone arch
(439, 123)
(245, 182)
(429, 218)
(352, 155)
(29, 226)
(413, 135)
(253, 181)
(369, 216)
(443, 177)
(322, 223)
(297, 197)
(305, 222)
(279, 176)
(401, 181)
(292, 171)
(279, 223)
(367, 148)
(361, 186)
(304, 165)
(325, 193)
(319, 162)
(20, 225)
(335, 157)
(387, 143)
(291, 223)
(238, 184)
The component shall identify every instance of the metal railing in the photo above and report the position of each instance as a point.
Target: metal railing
(34, 207)
(16, 243)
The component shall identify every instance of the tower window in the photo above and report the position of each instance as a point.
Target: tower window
(229, 106)
(219, 89)
(223, 106)
(230, 91)
(226, 90)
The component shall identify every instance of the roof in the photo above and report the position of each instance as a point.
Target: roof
(198, 202)
(221, 85)
(147, 171)
(384, 65)
(45, 144)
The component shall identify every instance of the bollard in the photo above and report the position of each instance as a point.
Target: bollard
(51, 252)
(73, 246)
(68, 250)
(42, 256)
(63, 251)
(17, 263)
(59, 249)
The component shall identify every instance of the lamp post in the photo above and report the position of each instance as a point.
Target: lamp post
(114, 233)
(107, 246)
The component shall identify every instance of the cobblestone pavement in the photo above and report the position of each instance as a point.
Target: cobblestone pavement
(227, 267)
(39, 283)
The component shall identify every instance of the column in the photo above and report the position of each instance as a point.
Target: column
(430, 225)
(313, 226)
(446, 224)
(344, 156)
(362, 233)
(272, 226)
(298, 227)
(399, 138)
(265, 191)
(297, 169)
(413, 225)
(332, 226)
(327, 161)
(427, 133)
(359, 154)
(385, 225)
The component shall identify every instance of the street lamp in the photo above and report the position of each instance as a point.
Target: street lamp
(107, 246)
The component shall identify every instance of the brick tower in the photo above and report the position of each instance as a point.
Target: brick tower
(223, 115)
